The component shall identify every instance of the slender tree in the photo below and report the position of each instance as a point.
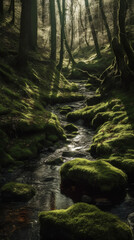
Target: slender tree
(72, 23)
(101, 5)
(115, 18)
(84, 27)
(92, 29)
(12, 10)
(66, 43)
(43, 11)
(123, 35)
(1, 8)
(53, 29)
(62, 34)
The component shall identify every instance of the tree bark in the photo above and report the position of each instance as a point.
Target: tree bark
(66, 43)
(123, 36)
(101, 5)
(53, 29)
(92, 29)
(28, 29)
(83, 27)
(126, 75)
(1, 8)
(43, 11)
(115, 18)
(62, 34)
(33, 25)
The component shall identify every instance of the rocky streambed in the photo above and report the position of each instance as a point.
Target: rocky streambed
(20, 220)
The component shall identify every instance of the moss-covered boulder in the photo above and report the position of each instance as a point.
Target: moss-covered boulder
(82, 222)
(125, 164)
(93, 177)
(14, 191)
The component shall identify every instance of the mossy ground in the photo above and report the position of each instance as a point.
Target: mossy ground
(113, 120)
(82, 221)
(17, 191)
(25, 124)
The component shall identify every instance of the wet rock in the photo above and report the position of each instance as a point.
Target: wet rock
(82, 221)
(73, 154)
(131, 220)
(54, 161)
(14, 191)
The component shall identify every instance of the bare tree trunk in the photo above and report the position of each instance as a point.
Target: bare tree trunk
(33, 25)
(43, 11)
(101, 5)
(53, 29)
(62, 34)
(92, 29)
(123, 36)
(1, 8)
(66, 43)
(115, 18)
(83, 27)
(72, 24)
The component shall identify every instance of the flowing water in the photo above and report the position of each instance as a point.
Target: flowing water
(19, 221)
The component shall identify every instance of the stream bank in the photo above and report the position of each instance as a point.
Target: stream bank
(20, 220)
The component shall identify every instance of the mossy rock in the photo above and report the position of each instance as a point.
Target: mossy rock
(65, 109)
(100, 149)
(13, 191)
(126, 165)
(101, 118)
(94, 176)
(71, 128)
(81, 222)
(54, 161)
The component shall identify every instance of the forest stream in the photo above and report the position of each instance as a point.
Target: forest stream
(20, 220)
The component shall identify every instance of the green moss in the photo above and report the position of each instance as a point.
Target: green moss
(71, 128)
(97, 176)
(17, 191)
(82, 221)
(65, 109)
(125, 163)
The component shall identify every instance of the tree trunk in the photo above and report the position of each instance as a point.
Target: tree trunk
(28, 29)
(115, 18)
(62, 34)
(33, 25)
(101, 5)
(72, 24)
(92, 29)
(43, 12)
(123, 36)
(83, 27)
(24, 32)
(1, 8)
(126, 74)
(53, 29)
(66, 43)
